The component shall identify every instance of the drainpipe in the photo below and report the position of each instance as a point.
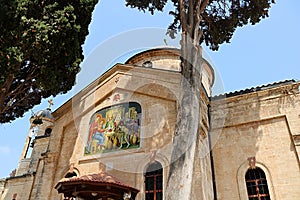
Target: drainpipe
(211, 155)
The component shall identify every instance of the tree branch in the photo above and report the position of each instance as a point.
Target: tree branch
(29, 77)
(203, 6)
(196, 25)
(16, 92)
(17, 103)
(191, 16)
(182, 14)
(4, 90)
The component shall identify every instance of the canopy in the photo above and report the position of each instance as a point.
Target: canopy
(96, 186)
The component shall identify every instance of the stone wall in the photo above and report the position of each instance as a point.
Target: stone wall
(157, 97)
(259, 125)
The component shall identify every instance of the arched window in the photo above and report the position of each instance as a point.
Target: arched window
(257, 186)
(154, 182)
(70, 175)
(147, 64)
(48, 131)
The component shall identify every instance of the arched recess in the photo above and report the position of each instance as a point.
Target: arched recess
(242, 188)
(48, 131)
(153, 177)
(142, 168)
(72, 173)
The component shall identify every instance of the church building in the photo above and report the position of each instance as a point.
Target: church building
(114, 139)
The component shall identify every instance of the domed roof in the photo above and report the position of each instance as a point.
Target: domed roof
(45, 114)
(168, 58)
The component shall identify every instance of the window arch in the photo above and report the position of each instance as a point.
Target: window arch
(71, 174)
(147, 64)
(154, 182)
(48, 131)
(256, 183)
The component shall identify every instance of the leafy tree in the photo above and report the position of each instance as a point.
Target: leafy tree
(211, 22)
(40, 50)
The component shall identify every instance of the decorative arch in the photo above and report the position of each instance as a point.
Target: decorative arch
(72, 172)
(153, 177)
(141, 169)
(242, 188)
(114, 128)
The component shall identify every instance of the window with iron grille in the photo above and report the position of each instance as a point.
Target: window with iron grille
(154, 182)
(257, 186)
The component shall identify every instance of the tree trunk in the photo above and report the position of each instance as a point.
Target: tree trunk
(187, 133)
(189, 175)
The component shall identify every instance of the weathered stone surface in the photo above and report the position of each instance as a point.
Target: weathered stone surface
(261, 125)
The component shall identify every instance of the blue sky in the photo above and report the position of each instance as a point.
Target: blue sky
(260, 54)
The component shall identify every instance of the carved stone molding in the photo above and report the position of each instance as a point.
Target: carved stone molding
(152, 156)
(252, 162)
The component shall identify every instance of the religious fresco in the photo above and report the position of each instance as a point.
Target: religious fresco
(114, 128)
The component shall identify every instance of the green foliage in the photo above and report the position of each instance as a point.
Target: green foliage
(219, 19)
(40, 50)
(150, 5)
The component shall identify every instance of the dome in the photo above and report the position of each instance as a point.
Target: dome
(159, 58)
(168, 58)
(45, 114)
